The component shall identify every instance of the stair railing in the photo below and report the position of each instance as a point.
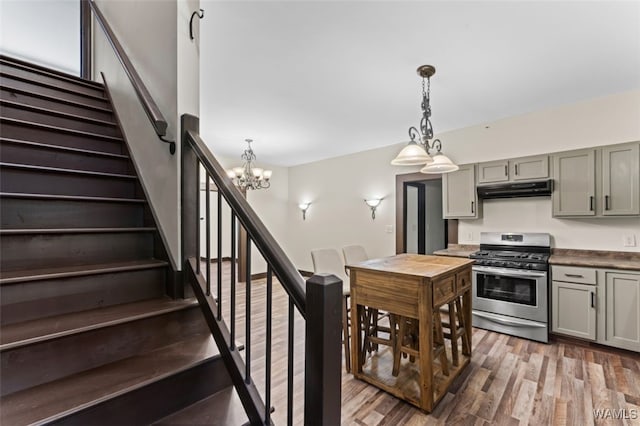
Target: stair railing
(318, 300)
(150, 107)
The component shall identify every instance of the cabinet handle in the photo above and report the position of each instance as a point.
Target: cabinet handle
(574, 275)
(516, 170)
(591, 203)
(606, 202)
(506, 170)
(593, 299)
(473, 207)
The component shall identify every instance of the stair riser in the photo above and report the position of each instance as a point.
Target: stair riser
(42, 298)
(40, 363)
(158, 399)
(43, 182)
(34, 100)
(52, 91)
(35, 134)
(20, 113)
(55, 250)
(42, 156)
(53, 80)
(17, 213)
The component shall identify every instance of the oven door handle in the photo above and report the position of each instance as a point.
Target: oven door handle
(509, 272)
(512, 322)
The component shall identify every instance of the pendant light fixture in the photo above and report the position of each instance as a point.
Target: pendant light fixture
(418, 150)
(248, 176)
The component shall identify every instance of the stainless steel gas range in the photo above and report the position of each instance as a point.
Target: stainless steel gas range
(511, 284)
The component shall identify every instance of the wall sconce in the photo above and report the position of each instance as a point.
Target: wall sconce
(304, 207)
(373, 204)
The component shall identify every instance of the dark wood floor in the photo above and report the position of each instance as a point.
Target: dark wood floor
(509, 381)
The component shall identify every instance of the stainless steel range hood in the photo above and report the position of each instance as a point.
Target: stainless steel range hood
(536, 188)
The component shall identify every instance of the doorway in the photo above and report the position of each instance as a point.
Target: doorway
(420, 226)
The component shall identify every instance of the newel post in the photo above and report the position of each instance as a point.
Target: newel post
(189, 215)
(323, 353)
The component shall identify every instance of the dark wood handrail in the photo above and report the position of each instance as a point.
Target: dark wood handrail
(284, 269)
(150, 107)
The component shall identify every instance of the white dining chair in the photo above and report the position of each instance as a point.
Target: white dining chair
(328, 261)
(353, 254)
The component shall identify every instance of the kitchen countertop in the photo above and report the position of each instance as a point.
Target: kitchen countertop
(458, 250)
(596, 259)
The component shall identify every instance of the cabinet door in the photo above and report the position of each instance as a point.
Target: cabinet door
(575, 183)
(621, 180)
(573, 309)
(494, 171)
(529, 168)
(459, 197)
(622, 293)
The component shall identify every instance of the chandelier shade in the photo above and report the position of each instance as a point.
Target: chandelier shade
(418, 150)
(412, 155)
(441, 164)
(248, 176)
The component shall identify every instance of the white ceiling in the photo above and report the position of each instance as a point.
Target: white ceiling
(313, 80)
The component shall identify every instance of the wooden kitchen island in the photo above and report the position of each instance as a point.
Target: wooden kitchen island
(409, 286)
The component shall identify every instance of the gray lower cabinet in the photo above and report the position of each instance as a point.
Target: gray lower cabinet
(459, 196)
(622, 319)
(575, 183)
(573, 309)
(602, 305)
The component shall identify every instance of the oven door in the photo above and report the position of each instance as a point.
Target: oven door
(513, 292)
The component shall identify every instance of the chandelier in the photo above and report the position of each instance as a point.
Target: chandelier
(248, 176)
(417, 152)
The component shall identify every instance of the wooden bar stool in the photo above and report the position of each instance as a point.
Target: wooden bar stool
(374, 331)
(457, 329)
(407, 342)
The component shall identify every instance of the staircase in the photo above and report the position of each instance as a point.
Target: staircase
(88, 335)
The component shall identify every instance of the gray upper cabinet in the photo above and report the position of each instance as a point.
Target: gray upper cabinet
(575, 183)
(494, 171)
(621, 180)
(527, 168)
(603, 181)
(459, 197)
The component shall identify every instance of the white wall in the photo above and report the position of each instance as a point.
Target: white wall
(434, 226)
(336, 187)
(338, 215)
(155, 35)
(411, 235)
(44, 32)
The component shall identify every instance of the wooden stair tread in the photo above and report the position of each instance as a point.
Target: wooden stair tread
(220, 409)
(51, 128)
(70, 197)
(56, 113)
(18, 63)
(57, 399)
(17, 76)
(12, 277)
(54, 98)
(26, 231)
(42, 329)
(68, 171)
(63, 148)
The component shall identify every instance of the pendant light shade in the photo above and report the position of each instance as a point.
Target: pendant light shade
(441, 164)
(412, 155)
(416, 153)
